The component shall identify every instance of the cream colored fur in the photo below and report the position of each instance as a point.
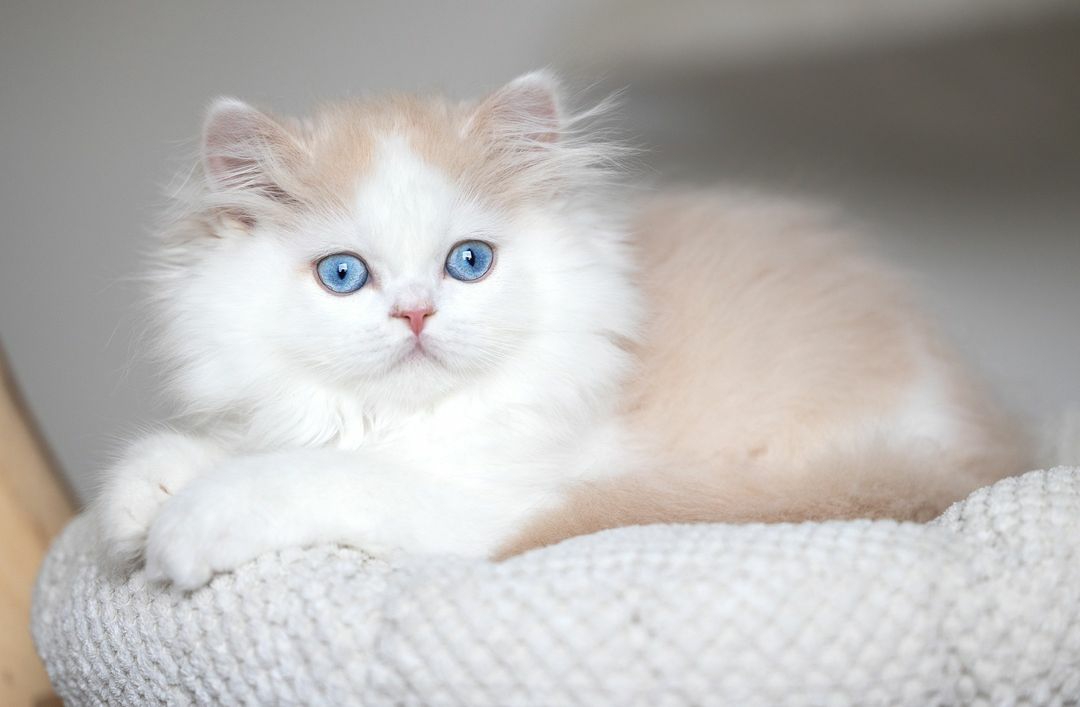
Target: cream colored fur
(703, 356)
(785, 375)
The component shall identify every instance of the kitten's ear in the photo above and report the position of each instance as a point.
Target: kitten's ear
(526, 112)
(246, 150)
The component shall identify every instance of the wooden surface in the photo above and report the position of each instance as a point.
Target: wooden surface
(34, 506)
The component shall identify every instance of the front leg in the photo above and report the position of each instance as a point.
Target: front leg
(148, 474)
(256, 504)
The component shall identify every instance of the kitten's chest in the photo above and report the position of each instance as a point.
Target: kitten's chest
(418, 432)
(454, 438)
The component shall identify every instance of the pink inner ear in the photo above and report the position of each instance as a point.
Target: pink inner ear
(527, 109)
(239, 143)
(225, 170)
(538, 104)
(231, 138)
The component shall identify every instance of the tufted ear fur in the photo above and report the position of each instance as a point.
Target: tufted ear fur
(526, 113)
(247, 157)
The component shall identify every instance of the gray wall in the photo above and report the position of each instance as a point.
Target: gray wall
(98, 101)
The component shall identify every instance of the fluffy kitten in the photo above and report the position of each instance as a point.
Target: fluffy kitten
(414, 325)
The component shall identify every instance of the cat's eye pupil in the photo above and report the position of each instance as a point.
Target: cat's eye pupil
(343, 273)
(469, 261)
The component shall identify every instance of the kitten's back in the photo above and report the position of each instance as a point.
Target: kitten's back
(774, 338)
(784, 375)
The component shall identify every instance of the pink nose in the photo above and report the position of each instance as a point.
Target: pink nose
(416, 317)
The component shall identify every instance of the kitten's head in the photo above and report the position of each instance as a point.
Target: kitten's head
(395, 251)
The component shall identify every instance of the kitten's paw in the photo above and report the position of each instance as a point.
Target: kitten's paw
(148, 475)
(211, 527)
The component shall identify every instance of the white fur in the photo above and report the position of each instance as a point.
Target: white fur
(927, 415)
(321, 426)
(316, 418)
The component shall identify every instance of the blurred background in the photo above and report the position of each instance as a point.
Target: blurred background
(949, 128)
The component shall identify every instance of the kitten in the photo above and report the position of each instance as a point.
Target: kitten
(421, 326)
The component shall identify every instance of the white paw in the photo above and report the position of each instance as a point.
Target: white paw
(214, 526)
(149, 474)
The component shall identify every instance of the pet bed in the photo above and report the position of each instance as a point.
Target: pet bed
(977, 607)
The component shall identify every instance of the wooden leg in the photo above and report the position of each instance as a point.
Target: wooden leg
(34, 506)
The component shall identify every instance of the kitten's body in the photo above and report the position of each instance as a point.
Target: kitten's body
(715, 358)
(784, 376)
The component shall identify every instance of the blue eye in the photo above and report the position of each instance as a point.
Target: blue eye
(342, 273)
(469, 261)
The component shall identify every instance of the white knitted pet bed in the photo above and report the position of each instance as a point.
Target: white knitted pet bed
(978, 607)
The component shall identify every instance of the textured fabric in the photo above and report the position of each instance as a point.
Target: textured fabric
(979, 607)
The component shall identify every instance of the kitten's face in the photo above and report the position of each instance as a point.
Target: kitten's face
(383, 255)
(410, 326)
(427, 306)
